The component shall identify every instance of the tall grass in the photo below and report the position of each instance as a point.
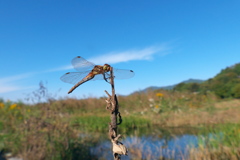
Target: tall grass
(51, 130)
(100, 124)
(220, 142)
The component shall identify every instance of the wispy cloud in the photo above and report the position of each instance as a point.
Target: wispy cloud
(15, 77)
(67, 67)
(5, 88)
(10, 83)
(124, 56)
(130, 55)
(7, 83)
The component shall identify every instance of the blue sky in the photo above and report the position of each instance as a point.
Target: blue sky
(163, 42)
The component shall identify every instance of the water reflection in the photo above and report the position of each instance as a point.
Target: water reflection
(151, 146)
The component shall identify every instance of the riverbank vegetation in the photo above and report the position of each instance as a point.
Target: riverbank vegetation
(52, 130)
(68, 128)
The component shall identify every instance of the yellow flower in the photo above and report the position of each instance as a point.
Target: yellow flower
(156, 106)
(159, 94)
(1, 105)
(13, 106)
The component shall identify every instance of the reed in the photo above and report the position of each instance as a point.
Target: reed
(219, 142)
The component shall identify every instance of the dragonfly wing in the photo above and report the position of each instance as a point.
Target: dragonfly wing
(98, 77)
(74, 77)
(123, 73)
(80, 64)
(101, 77)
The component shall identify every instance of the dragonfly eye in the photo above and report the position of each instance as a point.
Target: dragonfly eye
(106, 67)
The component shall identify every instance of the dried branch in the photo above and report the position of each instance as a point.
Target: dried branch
(112, 105)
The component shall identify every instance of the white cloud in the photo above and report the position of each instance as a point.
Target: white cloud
(5, 88)
(6, 82)
(15, 77)
(124, 56)
(60, 68)
(129, 55)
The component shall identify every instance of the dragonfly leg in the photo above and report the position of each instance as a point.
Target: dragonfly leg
(106, 79)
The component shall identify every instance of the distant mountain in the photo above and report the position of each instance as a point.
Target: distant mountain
(171, 86)
(226, 84)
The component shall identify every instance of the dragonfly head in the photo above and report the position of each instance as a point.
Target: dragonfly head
(106, 67)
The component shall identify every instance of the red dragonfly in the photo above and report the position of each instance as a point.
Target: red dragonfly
(90, 71)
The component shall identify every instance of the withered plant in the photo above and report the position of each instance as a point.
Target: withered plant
(112, 105)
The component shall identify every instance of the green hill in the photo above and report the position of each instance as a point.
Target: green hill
(170, 87)
(225, 84)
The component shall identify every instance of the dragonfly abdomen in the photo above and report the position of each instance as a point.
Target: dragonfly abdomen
(87, 78)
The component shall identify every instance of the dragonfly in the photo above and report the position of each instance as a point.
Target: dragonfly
(89, 71)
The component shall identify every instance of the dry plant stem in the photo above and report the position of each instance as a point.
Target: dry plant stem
(115, 106)
(112, 105)
(114, 112)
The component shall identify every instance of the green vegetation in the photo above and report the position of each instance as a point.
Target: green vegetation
(221, 144)
(94, 123)
(54, 128)
(67, 128)
(226, 84)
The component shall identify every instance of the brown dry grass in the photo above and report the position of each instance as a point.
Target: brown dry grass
(224, 153)
(182, 109)
(48, 123)
(222, 112)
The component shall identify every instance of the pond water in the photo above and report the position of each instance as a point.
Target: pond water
(155, 144)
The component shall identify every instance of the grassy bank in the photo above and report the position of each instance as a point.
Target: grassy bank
(221, 143)
(51, 130)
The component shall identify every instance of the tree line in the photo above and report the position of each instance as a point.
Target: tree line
(225, 84)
